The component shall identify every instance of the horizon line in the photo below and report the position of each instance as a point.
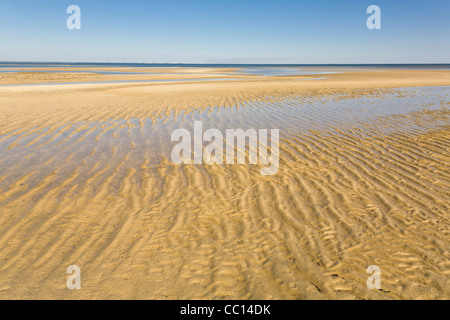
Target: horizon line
(224, 63)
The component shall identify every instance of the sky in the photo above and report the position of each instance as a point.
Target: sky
(231, 31)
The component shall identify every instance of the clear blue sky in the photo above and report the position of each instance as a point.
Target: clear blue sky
(231, 31)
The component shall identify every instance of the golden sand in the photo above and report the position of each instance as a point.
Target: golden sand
(77, 187)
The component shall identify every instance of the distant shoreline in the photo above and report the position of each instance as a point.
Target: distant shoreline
(223, 65)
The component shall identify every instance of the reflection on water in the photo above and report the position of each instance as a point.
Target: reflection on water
(133, 143)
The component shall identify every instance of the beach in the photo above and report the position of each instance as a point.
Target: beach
(86, 179)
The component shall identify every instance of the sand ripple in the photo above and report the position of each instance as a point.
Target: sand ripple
(362, 181)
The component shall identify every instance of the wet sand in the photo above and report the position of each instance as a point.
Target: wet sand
(86, 179)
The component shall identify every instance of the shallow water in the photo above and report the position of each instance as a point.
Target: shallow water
(261, 71)
(276, 72)
(149, 139)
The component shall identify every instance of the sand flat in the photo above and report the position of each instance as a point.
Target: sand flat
(86, 179)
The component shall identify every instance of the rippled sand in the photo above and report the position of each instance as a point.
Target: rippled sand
(86, 179)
